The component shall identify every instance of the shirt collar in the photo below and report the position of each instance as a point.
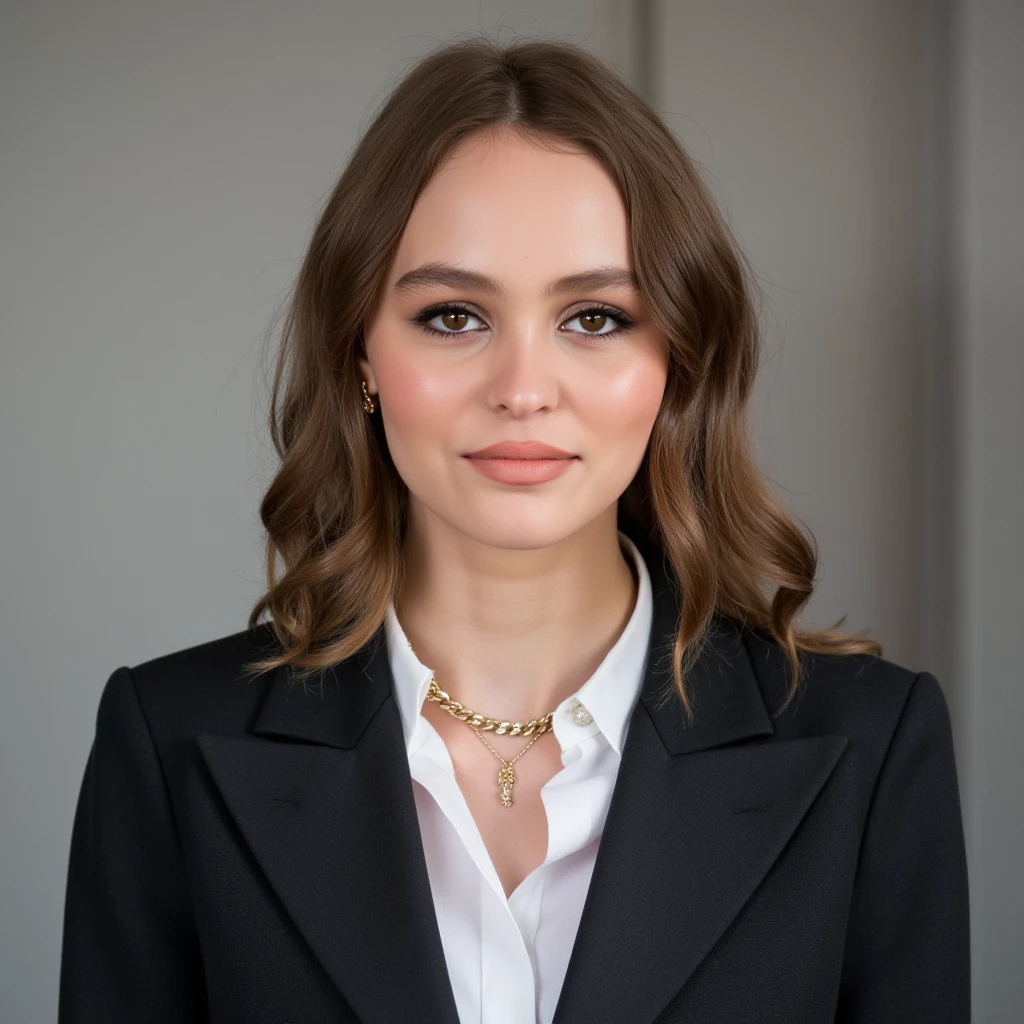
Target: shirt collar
(609, 694)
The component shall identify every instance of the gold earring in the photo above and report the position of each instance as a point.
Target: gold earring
(368, 403)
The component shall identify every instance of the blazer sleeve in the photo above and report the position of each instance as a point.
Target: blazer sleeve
(907, 956)
(130, 950)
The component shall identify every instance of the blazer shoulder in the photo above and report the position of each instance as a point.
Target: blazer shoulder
(204, 686)
(861, 696)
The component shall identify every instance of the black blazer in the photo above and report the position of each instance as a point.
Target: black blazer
(245, 854)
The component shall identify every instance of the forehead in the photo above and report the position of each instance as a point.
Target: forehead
(517, 210)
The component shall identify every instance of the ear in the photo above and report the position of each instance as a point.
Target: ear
(366, 373)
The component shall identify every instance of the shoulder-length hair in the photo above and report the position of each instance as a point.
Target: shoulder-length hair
(335, 512)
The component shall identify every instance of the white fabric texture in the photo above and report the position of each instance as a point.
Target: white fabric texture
(507, 958)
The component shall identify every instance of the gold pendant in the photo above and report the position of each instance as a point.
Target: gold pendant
(506, 776)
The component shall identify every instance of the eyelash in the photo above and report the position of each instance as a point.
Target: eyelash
(625, 321)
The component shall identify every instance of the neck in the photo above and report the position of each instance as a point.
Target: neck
(510, 633)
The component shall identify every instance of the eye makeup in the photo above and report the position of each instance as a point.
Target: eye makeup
(624, 320)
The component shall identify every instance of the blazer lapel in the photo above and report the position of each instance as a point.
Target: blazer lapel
(698, 816)
(322, 794)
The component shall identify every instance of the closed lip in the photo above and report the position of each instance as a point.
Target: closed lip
(520, 450)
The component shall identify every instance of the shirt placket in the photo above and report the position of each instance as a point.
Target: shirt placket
(508, 993)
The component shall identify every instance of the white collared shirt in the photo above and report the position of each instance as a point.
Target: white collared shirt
(507, 957)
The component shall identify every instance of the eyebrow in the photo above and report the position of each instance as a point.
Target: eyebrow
(447, 274)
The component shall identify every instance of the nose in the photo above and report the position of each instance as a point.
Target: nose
(523, 376)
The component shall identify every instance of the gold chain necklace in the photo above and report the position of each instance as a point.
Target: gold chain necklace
(480, 723)
(506, 773)
(536, 727)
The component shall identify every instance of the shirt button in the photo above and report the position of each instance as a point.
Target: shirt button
(580, 715)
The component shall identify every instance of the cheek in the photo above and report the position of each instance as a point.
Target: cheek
(622, 407)
(419, 404)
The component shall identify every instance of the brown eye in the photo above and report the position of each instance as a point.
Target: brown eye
(601, 322)
(454, 321)
(451, 320)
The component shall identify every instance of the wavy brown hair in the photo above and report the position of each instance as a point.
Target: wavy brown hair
(335, 511)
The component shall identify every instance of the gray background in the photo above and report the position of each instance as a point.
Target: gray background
(160, 169)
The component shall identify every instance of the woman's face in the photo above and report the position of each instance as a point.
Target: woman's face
(474, 343)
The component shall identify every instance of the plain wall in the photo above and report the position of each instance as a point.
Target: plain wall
(988, 370)
(160, 170)
(806, 119)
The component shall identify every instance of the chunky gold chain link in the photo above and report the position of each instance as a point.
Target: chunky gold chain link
(535, 726)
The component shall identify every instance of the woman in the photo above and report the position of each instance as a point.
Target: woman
(532, 732)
